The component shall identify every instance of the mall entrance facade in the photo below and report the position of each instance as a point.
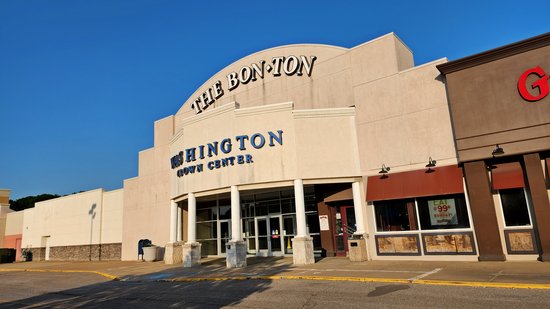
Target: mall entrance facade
(269, 224)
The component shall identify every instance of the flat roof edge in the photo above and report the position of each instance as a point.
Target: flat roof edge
(495, 54)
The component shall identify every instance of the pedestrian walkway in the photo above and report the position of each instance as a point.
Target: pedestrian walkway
(487, 274)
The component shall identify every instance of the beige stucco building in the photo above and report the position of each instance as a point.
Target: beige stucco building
(83, 226)
(315, 150)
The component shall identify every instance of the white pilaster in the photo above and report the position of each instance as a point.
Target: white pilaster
(191, 218)
(357, 207)
(173, 220)
(180, 224)
(236, 234)
(300, 208)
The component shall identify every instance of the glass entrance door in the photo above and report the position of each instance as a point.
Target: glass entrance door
(224, 235)
(344, 227)
(262, 232)
(276, 239)
(269, 240)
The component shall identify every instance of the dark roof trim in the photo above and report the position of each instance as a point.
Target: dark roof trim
(495, 54)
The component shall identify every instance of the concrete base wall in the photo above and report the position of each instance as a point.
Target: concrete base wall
(236, 254)
(191, 254)
(302, 250)
(173, 253)
(103, 252)
(357, 250)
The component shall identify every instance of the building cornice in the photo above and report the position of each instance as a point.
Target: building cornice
(324, 112)
(495, 54)
(264, 109)
(229, 107)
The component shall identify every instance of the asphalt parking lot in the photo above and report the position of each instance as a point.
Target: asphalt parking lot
(69, 290)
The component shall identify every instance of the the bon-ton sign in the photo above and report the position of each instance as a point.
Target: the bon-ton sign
(289, 65)
(227, 146)
(541, 84)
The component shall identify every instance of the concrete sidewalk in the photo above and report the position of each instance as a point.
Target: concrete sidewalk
(486, 274)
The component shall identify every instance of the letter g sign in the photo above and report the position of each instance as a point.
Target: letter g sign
(541, 84)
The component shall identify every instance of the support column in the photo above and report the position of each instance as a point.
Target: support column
(236, 247)
(173, 250)
(236, 234)
(483, 212)
(179, 225)
(540, 203)
(358, 245)
(191, 249)
(302, 243)
(358, 209)
(173, 221)
(191, 218)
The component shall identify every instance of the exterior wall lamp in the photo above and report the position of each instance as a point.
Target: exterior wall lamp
(384, 170)
(498, 151)
(431, 163)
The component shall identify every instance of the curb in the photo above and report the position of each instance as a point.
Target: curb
(503, 285)
(106, 275)
(373, 280)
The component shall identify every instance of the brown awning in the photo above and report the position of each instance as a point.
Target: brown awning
(443, 180)
(507, 176)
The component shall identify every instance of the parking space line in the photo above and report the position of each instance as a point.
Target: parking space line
(426, 274)
(106, 275)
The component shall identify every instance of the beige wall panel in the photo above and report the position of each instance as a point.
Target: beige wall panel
(67, 220)
(378, 100)
(5, 196)
(164, 129)
(14, 223)
(404, 55)
(146, 211)
(430, 135)
(111, 221)
(422, 88)
(403, 120)
(382, 142)
(326, 147)
(29, 226)
(145, 162)
(373, 59)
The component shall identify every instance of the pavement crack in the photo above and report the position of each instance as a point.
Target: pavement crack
(495, 276)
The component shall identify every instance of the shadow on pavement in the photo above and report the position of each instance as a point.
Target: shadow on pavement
(146, 290)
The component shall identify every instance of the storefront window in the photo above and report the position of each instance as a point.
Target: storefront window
(514, 207)
(207, 230)
(225, 212)
(268, 222)
(443, 212)
(395, 215)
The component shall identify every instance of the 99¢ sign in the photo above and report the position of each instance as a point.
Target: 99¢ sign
(442, 212)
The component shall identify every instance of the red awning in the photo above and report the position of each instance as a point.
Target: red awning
(507, 176)
(443, 180)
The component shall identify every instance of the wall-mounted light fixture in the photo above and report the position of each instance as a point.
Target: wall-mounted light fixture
(498, 151)
(385, 169)
(431, 163)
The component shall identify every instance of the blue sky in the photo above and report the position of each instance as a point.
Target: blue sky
(81, 82)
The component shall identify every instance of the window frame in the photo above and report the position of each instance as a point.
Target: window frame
(501, 209)
(419, 231)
